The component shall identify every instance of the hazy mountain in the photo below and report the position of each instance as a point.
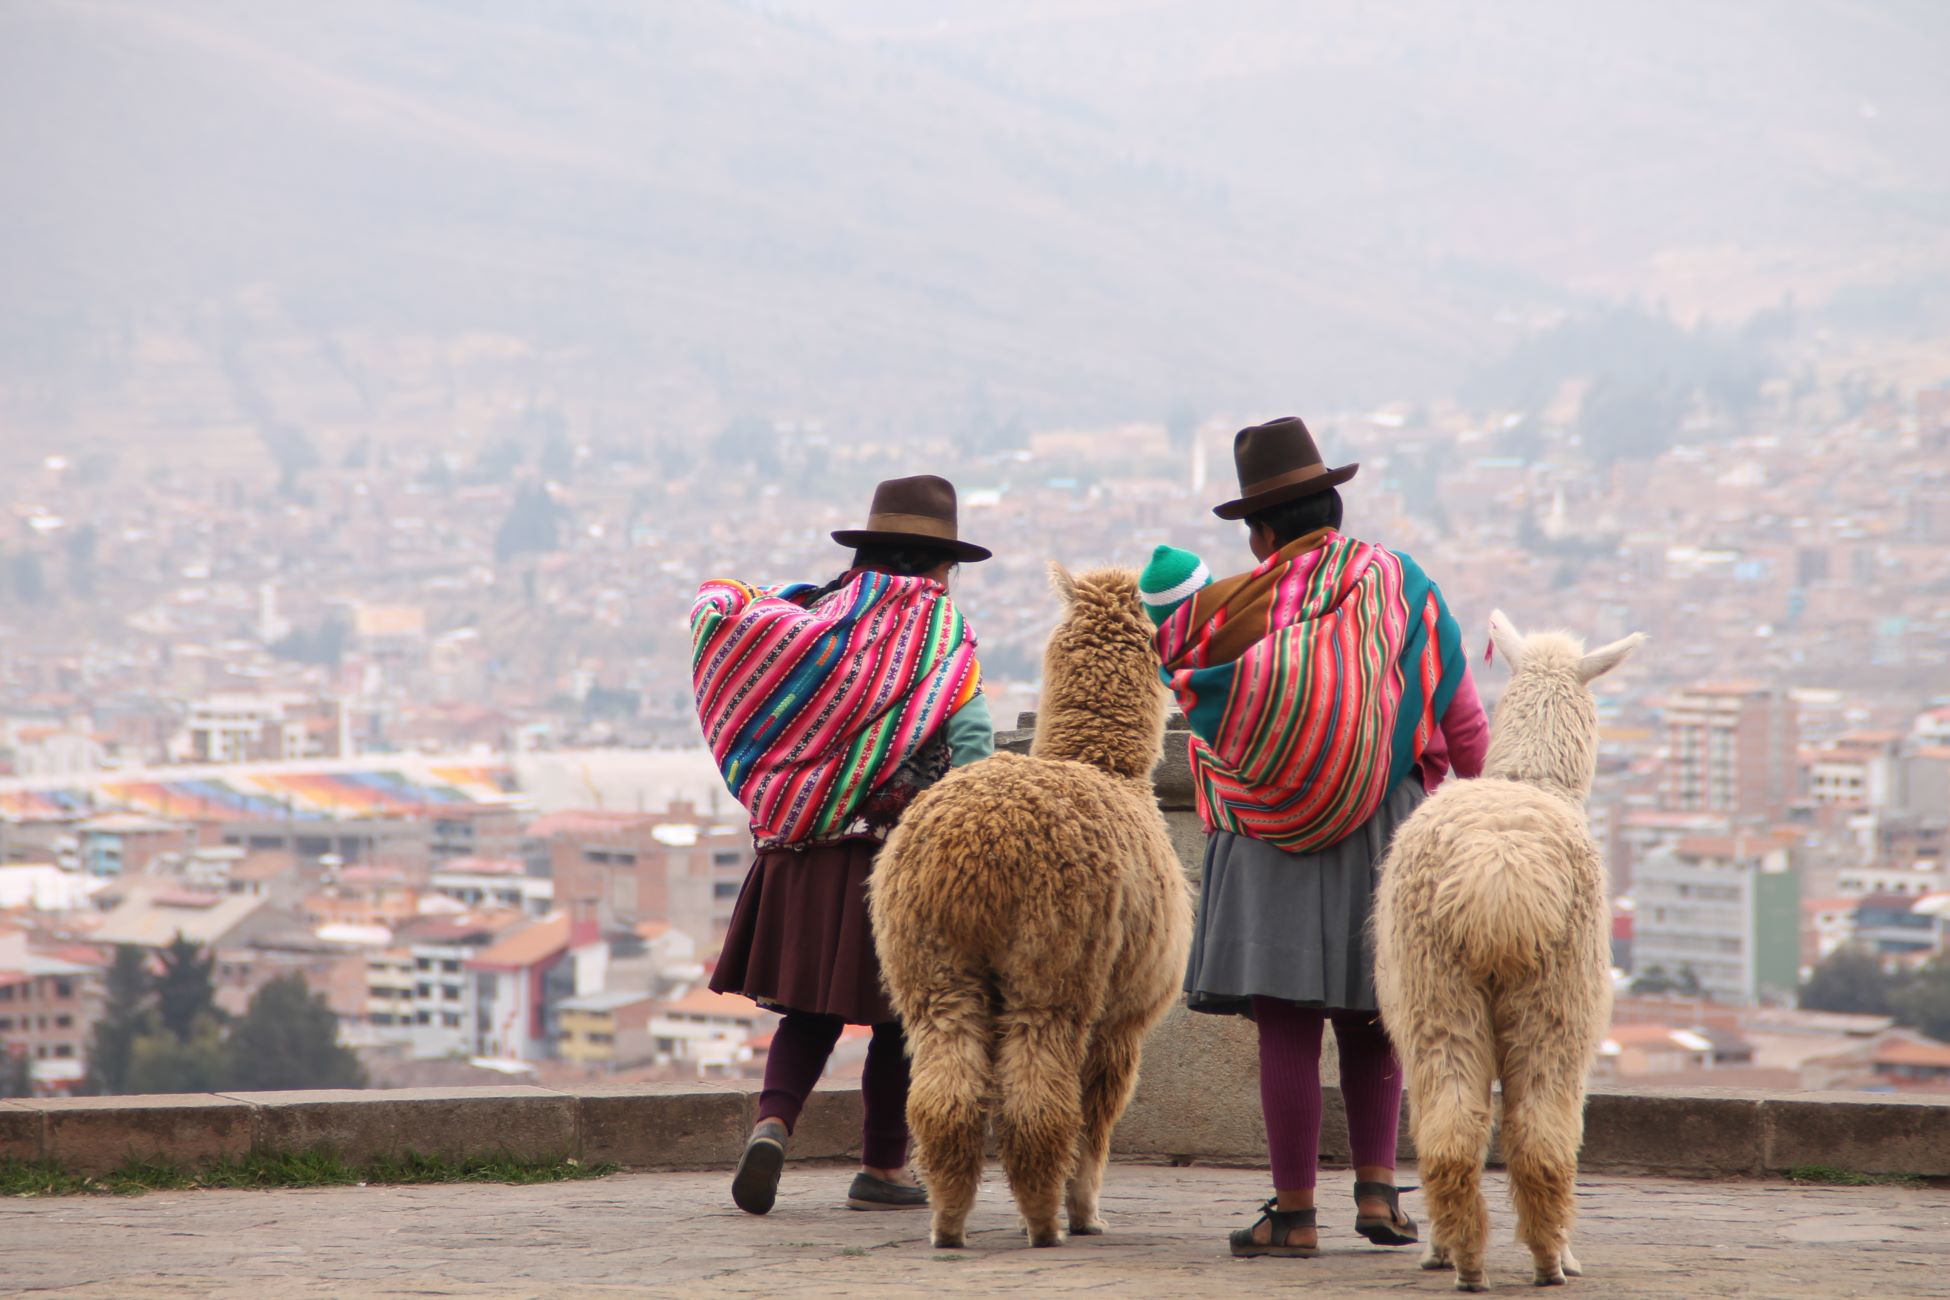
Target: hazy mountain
(389, 215)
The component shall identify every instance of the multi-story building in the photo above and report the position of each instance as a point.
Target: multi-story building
(458, 831)
(626, 869)
(443, 1010)
(48, 1009)
(494, 882)
(1860, 770)
(1727, 910)
(390, 1001)
(258, 728)
(522, 978)
(1731, 749)
(605, 1030)
(119, 844)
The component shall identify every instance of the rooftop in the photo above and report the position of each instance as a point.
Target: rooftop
(526, 946)
(677, 1234)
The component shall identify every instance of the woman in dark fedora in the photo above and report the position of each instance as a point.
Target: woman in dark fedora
(828, 709)
(1327, 694)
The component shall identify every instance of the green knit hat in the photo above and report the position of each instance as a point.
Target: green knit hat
(1171, 579)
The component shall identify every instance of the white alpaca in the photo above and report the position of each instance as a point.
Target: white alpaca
(1493, 959)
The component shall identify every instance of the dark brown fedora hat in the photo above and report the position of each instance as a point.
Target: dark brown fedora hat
(1277, 461)
(919, 509)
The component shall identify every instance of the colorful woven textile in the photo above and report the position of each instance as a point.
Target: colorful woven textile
(807, 711)
(1312, 685)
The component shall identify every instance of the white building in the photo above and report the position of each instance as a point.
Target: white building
(494, 882)
(1725, 909)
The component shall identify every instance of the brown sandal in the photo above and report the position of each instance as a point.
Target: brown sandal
(1391, 1229)
(1284, 1222)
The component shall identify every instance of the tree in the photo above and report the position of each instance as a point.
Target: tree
(289, 1039)
(186, 993)
(558, 462)
(81, 560)
(324, 644)
(125, 1018)
(1923, 1001)
(748, 441)
(16, 1075)
(532, 524)
(1653, 981)
(29, 579)
(163, 1062)
(1851, 980)
(1180, 425)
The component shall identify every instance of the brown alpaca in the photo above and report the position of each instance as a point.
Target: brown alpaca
(1032, 922)
(1492, 960)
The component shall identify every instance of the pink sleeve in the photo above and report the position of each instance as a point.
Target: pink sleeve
(1466, 729)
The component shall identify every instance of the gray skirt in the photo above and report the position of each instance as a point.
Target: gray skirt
(1292, 926)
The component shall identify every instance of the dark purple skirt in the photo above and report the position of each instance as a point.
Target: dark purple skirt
(800, 939)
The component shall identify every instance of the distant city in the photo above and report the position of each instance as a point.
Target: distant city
(411, 723)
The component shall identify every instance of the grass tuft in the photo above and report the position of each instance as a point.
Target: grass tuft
(1829, 1176)
(318, 1168)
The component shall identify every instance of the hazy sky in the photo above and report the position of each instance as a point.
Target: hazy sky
(882, 210)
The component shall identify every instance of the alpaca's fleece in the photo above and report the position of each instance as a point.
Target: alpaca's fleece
(1493, 957)
(1032, 923)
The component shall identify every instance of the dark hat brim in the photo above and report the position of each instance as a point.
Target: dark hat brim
(1259, 501)
(965, 552)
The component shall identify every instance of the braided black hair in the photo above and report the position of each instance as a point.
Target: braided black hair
(900, 559)
(1291, 520)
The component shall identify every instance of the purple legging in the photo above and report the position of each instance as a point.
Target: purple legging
(800, 1047)
(1289, 1087)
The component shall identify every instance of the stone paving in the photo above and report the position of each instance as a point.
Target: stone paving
(676, 1234)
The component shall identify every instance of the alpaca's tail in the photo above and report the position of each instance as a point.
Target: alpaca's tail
(1504, 911)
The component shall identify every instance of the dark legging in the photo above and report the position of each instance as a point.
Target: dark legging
(798, 1057)
(1289, 1087)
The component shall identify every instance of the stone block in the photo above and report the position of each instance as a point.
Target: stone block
(457, 1123)
(1866, 1134)
(1706, 1132)
(1172, 778)
(20, 1132)
(663, 1125)
(1197, 1093)
(93, 1135)
(829, 1127)
(1187, 834)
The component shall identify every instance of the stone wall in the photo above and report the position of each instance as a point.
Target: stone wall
(1709, 1134)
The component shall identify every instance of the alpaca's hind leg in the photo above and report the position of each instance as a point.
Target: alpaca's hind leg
(1450, 1066)
(1543, 1126)
(1109, 1078)
(949, 1038)
(1038, 1075)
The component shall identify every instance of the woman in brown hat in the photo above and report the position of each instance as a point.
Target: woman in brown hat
(828, 710)
(1327, 694)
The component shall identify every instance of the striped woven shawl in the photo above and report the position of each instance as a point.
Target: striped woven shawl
(1312, 685)
(808, 710)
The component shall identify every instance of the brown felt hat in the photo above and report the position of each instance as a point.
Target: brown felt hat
(919, 509)
(1277, 461)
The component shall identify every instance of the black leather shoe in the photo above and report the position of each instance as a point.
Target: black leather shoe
(871, 1193)
(755, 1187)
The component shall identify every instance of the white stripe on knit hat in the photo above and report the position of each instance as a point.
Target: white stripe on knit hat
(1172, 595)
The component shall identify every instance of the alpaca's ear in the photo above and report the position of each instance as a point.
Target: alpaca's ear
(1507, 640)
(1605, 658)
(1062, 582)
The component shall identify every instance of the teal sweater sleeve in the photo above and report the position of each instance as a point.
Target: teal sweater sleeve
(971, 733)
